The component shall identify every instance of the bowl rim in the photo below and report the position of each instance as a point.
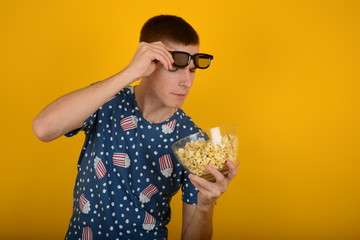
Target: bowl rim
(206, 130)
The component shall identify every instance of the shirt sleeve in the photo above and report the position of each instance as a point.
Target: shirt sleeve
(189, 191)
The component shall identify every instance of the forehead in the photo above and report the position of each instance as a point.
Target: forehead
(192, 49)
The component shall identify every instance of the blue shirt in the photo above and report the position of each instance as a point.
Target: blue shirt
(127, 173)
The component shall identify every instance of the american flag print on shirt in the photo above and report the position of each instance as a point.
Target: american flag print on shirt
(87, 233)
(149, 222)
(147, 193)
(84, 204)
(121, 160)
(166, 165)
(100, 169)
(129, 122)
(169, 127)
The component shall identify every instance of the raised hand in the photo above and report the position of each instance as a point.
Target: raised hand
(146, 57)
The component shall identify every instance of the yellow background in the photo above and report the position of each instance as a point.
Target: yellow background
(286, 72)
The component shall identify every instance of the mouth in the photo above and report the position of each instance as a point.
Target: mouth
(180, 95)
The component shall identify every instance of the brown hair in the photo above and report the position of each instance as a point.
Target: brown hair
(170, 28)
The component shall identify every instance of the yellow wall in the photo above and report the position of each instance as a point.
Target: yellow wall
(286, 72)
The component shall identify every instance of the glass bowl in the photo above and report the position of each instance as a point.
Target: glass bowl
(210, 147)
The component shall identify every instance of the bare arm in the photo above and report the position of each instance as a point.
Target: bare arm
(197, 223)
(197, 220)
(70, 111)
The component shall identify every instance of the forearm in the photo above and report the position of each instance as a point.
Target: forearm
(197, 220)
(200, 226)
(70, 111)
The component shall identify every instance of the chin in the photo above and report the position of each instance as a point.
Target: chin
(175, 105)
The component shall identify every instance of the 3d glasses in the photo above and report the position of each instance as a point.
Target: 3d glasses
(182, 59)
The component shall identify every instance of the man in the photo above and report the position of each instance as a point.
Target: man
(127, 172)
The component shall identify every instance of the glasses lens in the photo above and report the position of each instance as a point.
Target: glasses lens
(181, 59)
(202, 61)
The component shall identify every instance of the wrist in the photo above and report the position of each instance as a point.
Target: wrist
(205, 207)
(130, 74)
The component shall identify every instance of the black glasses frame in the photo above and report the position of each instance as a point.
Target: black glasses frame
(192, 57)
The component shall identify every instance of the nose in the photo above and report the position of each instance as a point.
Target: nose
(187, 77)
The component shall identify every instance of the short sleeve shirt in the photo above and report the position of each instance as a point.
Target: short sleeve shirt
(127, 173)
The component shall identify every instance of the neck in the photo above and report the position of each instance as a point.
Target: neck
(151, 108)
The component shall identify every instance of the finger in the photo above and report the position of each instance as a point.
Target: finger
(200, 183)
(166, 59)
(166, 51)
(156, 51)
(163, 45)
(158, 55)
(232, 169)
(208, 192)
(218, 176)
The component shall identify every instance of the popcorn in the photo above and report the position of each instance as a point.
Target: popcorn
(196, 155)
(87, 233)
(84, 204)
(149, 222)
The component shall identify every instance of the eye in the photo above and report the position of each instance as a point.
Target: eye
(193, 70)
(173, 70)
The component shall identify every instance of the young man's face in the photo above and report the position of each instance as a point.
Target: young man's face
(170, 88)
